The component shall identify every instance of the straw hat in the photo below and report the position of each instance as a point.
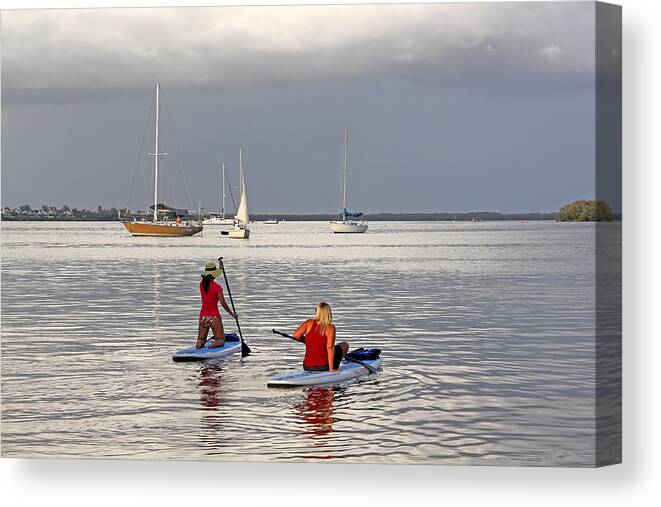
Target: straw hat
(211, 269)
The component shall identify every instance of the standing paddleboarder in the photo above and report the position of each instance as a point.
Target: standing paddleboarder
(321, 352)
(210, 318)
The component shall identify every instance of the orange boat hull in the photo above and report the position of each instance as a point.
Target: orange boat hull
(161, 229)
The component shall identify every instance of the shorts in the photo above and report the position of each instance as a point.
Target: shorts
(208, 320)
(336, 362)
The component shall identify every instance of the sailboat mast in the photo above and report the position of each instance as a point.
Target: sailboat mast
(223, 203)
(241, 169)
(158, 89)
(344, 173)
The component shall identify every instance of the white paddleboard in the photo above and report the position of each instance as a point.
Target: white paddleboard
(193, 354)
(348, 370)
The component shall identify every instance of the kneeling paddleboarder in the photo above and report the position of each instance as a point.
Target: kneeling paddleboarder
(210, 318)
(321, 352)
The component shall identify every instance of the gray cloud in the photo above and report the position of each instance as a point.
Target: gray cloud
(452, 107)
(71, 54)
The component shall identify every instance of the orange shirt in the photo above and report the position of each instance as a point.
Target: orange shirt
(315, 347)
(210, 300)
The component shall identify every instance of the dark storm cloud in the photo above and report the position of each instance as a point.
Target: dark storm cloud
(452, 107)
(59, 55)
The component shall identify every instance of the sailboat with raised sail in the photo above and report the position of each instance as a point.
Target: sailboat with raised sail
(241, 219)
(219, 218)
(348, 222)
(161, 226)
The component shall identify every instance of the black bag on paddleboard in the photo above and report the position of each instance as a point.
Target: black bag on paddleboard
(231, 337)
(362, 354)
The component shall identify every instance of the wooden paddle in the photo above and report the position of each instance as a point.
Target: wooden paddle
(371, 369)
(245, 350)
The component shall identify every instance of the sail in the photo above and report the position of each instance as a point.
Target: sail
(242, 211)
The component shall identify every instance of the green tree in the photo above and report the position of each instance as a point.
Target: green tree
(585, 211)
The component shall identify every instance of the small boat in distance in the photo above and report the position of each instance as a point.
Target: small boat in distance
(219, 218)
(241, 219)
(348, 222)
(272, 221)
(164, 227)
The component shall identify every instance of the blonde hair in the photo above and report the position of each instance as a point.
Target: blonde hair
(323, 315)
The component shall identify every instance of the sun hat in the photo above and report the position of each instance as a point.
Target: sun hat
(211, 269)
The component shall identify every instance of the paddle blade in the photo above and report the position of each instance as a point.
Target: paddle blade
(245, 350)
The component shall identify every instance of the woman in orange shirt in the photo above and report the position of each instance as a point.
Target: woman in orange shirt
(210, 317)
(321, 352)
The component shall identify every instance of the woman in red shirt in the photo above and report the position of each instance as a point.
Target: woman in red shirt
(210, 318)
(321, 352)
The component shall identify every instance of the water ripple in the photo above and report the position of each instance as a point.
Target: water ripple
(487, 331)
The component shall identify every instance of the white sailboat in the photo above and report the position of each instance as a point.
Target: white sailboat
(348, 222)
(219, 218)
(241, 219)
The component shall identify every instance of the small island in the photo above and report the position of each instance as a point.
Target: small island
(585, 211)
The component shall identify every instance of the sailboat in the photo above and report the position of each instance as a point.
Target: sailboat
(348, 222)
(164, 227)
(241, 219)
(219, 218)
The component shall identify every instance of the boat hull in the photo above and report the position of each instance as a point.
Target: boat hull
(161, 229)
(347, 227)
(239, 233)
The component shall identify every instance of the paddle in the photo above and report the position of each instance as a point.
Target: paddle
(371, 369)
(245, 350)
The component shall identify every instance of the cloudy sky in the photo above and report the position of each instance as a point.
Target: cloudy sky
(451, 107)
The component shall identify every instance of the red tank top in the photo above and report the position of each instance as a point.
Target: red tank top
(210, 300)
(315, 347)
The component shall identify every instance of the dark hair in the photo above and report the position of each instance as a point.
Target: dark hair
(206, 281)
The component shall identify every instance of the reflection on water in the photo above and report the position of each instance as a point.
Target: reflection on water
(157, 294)
(210, 385)
(317, 410)
(486, 329)
(210, 382)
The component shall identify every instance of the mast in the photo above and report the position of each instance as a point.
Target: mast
(158, 90)
(240, 180)
(344, 173)
(223, 202)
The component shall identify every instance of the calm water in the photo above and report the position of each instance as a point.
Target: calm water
(486, 330)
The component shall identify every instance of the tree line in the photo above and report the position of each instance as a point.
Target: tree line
(578, 211)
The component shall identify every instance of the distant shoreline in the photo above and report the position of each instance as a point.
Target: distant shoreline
(417, 217)
(375, 217)
(371, 217)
